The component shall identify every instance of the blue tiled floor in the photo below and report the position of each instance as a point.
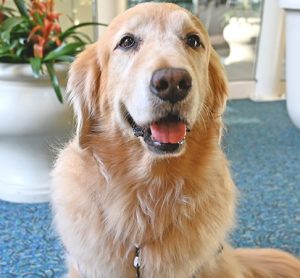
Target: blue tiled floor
(264, 150)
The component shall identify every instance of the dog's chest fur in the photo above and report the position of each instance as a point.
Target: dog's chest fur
(107, 216)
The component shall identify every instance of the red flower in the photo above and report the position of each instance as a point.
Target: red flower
(38, 51)
(47, 27)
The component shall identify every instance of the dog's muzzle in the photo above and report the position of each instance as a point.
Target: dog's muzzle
(166, 135)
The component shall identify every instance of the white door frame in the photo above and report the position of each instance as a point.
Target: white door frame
(270, 53)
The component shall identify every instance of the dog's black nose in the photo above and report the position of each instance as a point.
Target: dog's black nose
(171, 84)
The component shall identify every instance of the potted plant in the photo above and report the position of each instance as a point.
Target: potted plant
(34, 57)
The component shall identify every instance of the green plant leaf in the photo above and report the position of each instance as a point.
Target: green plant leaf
(67, 32)
(39, 19)
(85, 24)
(20, 51)
(78, 39)
(7, 10)
(66, 58)
(54, 81)
(10, 58)
(11, 22)
(84, 35)
(79, 36)
(36, 64)
(21, 6)
(4, 50)
(5, 36)
(7, 26)
(65, 49)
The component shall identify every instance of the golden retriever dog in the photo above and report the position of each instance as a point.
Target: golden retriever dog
(144, 188)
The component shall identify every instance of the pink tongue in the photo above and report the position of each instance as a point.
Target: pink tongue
(168, 132)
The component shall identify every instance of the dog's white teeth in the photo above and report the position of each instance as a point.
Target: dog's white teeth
(182, 141)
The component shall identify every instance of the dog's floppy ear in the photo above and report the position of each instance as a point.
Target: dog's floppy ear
(83, 87)
(218, 85)
(218, 91)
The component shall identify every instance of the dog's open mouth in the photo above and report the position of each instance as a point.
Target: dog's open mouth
(166, 135)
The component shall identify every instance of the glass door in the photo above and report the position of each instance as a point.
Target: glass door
(234, 27)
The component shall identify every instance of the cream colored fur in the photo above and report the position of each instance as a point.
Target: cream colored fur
(111, 193)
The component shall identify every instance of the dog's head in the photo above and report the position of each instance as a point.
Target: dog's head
(153, 75)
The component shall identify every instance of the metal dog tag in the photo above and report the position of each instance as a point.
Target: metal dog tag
(137, 261)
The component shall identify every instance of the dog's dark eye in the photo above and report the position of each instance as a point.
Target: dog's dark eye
(193, 41)
(127, 42)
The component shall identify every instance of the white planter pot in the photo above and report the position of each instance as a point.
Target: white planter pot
(32, 121)
(292, 8)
